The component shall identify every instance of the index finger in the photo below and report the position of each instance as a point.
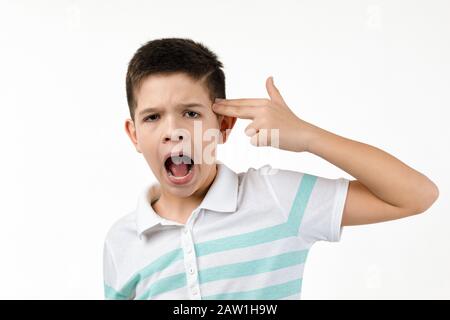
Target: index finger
(244, 112)
(244, 102)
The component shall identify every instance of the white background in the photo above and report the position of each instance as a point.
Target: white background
(373, 71)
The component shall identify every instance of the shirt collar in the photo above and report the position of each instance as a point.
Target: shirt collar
(221, 196)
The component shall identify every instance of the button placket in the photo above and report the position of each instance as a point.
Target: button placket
(190, 263)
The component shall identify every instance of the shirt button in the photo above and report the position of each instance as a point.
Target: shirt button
(191, 270)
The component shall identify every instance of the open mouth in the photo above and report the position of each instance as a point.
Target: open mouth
(178, 166)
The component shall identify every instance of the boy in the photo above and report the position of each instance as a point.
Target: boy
(203, 231)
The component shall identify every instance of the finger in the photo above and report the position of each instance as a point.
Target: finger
(251, 129)
(273, 92)
(235, 111)
(243, 102)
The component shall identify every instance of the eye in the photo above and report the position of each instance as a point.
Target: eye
(192, 114)
(151, 117)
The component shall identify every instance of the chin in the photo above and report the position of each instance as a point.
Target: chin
(182, 187)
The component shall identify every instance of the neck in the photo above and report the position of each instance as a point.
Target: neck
(179, 209)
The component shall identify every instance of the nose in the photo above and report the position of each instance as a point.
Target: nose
(174, 131)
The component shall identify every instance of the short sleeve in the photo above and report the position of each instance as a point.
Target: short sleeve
(316, 203)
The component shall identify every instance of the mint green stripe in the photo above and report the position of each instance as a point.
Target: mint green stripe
(229, 271)
(300, 202)
(128, 290)
(244, 240)
(110, 293)
(253, 267)
(165, 284)
(269, 234)
(267, 293)
(277, 232)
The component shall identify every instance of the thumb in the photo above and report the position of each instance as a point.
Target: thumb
(273, 91)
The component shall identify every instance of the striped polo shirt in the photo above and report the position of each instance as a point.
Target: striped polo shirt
(248, 239)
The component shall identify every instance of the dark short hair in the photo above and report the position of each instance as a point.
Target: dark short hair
(173, 55)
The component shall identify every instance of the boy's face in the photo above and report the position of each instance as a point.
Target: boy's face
(164, 126)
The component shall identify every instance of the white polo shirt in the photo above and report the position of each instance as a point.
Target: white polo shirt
(248, 239)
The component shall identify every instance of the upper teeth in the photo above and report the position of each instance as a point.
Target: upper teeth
(182, 159)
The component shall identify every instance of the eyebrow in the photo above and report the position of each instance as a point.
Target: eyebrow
(180, 105)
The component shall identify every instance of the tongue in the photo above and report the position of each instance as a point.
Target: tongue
(178, 170)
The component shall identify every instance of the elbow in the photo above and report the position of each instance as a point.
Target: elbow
(434, 193)
(428, 196)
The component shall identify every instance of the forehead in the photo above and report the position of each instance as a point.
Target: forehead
(164, 91)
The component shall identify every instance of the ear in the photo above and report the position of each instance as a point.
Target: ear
(226, 123)
(130, 129)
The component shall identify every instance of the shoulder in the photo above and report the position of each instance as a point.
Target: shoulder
(259, 173)
(121, 230)
(315, 202)
(253, 177)
(266, 185)
(269, 176)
